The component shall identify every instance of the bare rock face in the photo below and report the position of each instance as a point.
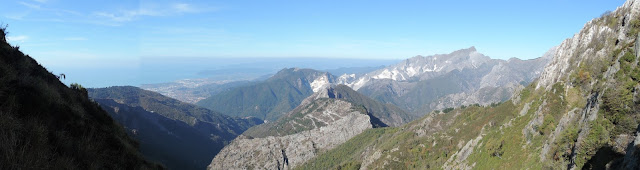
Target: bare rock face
(580, 47)
(596, 42)
(484, 96)
(341, 121)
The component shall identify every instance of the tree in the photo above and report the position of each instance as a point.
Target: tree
(3, 32)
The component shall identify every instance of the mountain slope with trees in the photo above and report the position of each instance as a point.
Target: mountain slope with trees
(46, 125)
(270, 99)
(178, 134)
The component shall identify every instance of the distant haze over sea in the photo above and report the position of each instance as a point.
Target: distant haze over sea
(160, 70)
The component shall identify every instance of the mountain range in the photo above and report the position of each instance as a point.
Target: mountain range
(194, 90)
(422, 84)
(417, 85)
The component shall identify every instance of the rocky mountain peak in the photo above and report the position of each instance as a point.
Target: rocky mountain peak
(465, 51)
(472, 48)
(329, 91)
(302, 77)
(634, 5)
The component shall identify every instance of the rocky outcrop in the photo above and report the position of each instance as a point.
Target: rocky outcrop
(483, 96)
(631, 159)
(458, 160)
(582, 47)
(592, 60)
(330, 122)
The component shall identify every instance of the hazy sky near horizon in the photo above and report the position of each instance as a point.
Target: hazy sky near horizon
(118, 33)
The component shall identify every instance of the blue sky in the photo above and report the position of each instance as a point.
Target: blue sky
(117, 33)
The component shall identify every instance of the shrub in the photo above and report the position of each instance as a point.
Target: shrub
(615, 101)
(635, 74)
(3, 33)
(598, 136)
(566, 143)
(447, 110)
(349, 166)
(79, 88)
(547, 125)
(628, 56)
(635, 26)
(495, 147)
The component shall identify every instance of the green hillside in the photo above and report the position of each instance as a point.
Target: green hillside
(267, 100)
